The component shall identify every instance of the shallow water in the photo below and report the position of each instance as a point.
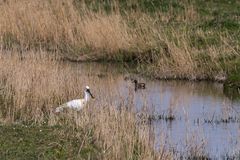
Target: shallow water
(200, 110)
(205, 119)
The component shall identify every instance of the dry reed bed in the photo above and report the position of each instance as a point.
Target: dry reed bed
(82, 34)
(31, 87)
(58, 24)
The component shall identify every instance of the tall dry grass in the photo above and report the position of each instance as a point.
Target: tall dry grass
(181, 58)
(171, 50)
(59, 25)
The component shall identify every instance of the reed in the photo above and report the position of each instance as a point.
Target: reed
(58, 25)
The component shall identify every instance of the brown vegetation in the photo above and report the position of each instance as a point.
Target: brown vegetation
(176, 49)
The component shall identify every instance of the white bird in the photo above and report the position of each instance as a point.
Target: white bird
(76, 104)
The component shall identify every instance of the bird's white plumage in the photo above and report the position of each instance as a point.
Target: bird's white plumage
(76, 104)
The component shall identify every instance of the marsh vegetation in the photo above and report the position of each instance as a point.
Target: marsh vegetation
(167, 39)
(41, 41)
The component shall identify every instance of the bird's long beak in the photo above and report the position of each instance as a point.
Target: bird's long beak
(91, 94)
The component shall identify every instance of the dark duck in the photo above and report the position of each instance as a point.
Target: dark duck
(139, 85)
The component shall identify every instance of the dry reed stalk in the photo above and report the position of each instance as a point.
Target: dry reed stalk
(58, 24)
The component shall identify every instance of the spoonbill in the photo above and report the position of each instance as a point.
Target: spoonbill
(76, 104)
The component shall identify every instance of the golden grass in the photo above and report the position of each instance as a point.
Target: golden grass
(179, 59)
(58, 24)
(79, 33)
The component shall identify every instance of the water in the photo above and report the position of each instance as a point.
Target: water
(205, 119)
(200, 110)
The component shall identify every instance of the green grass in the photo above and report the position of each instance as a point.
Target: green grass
(233, 80)
(45, 142)
(232, 84)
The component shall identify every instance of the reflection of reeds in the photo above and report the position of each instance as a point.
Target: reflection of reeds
(195, 147)
(146, 118)
(228, 114)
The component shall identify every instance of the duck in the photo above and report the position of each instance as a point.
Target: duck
(76, 104)
(139, 85)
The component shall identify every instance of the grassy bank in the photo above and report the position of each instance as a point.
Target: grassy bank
(232, 84)
(44, 142)
(168, 39)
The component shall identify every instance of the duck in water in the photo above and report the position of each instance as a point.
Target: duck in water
(139, 85)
